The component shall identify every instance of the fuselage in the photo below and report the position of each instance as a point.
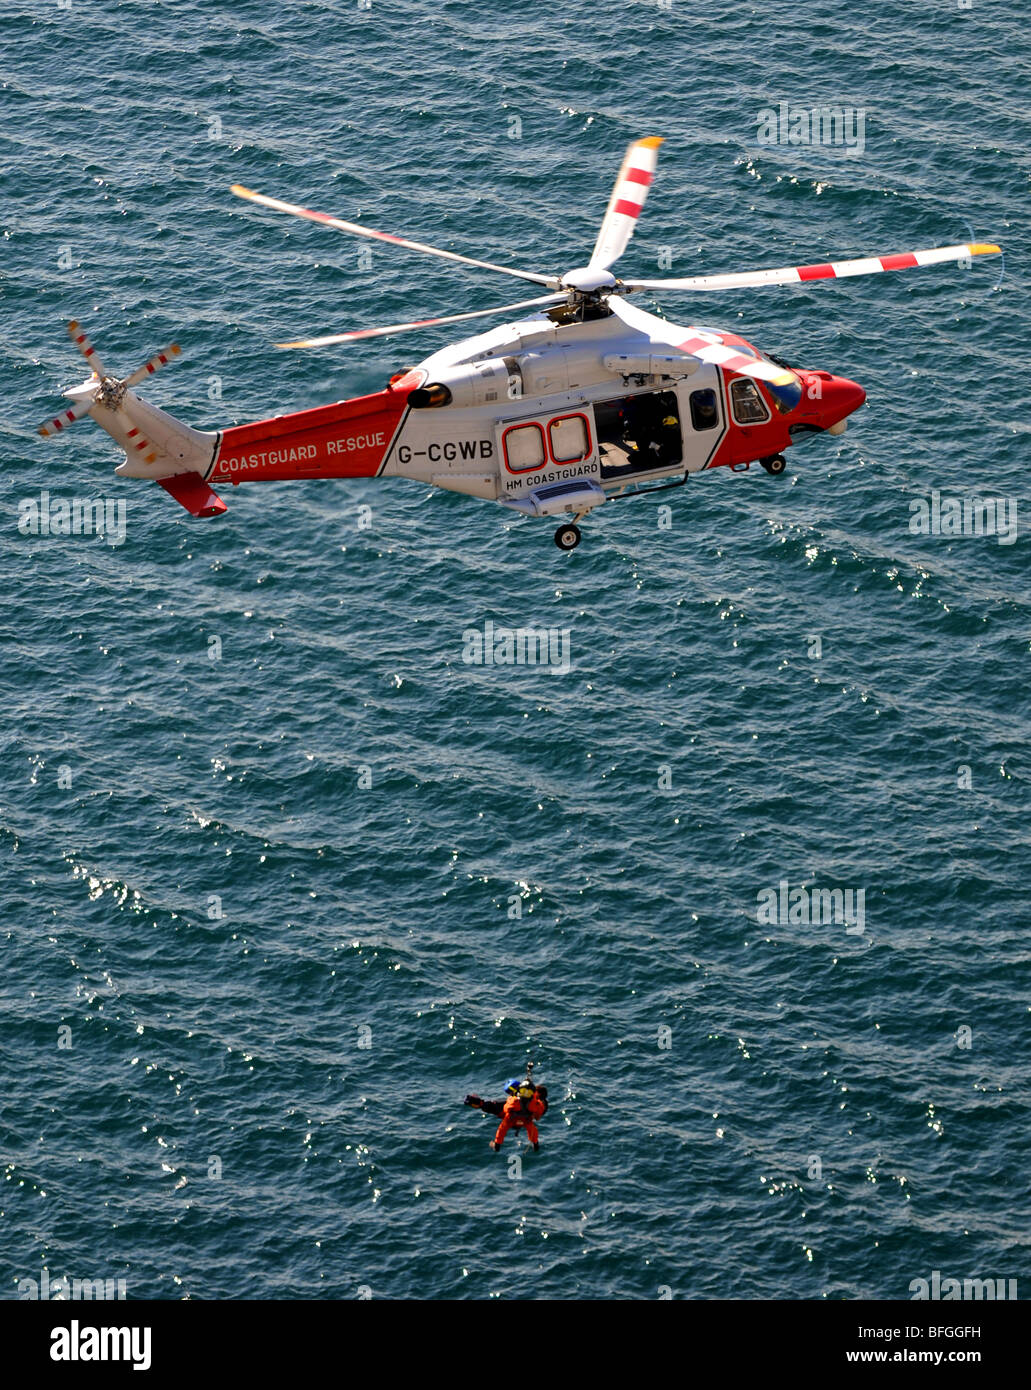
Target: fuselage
(554, 412)
(539, 402)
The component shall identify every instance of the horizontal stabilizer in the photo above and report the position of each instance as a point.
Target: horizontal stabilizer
(192, 492)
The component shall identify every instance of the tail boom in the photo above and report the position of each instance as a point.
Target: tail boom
(349, 439)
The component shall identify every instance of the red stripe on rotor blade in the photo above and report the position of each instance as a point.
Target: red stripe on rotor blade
(70, 414)
(639, 176)
(816, 272)
(629, 209)
(899, 262)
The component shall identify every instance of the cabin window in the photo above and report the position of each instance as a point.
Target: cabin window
(524, 447)
(570, 439)
(748, 406)
(705, 414)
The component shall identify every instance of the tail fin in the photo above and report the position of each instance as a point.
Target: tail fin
(174, 447)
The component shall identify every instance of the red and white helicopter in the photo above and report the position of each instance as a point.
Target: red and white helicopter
(586, 399)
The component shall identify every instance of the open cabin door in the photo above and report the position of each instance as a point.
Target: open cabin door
(659, 433)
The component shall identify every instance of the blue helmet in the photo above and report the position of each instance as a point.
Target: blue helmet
(511, 1087)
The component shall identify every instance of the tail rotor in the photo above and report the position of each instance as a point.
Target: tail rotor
(108, 391)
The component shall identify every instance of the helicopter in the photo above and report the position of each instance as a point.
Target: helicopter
(585, 400)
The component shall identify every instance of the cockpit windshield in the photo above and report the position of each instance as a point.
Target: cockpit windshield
(786, 395)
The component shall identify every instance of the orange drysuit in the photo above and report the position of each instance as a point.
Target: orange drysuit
(521, 1114)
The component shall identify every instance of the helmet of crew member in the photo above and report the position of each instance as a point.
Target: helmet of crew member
(526, 1089)
(512, 1087)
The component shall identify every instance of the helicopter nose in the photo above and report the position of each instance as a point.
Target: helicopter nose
(839, 397)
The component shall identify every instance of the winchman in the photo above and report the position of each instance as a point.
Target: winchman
(524, 1104)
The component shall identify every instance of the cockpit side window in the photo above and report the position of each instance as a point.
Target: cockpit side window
(705, 414)
(748, 406)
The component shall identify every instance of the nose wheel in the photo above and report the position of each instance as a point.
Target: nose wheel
(567, 537)
(776, 464)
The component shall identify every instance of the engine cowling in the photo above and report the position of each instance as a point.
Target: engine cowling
(471, 383)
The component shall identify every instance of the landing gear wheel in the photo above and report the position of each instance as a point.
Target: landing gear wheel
(776, 464)
(567, 537)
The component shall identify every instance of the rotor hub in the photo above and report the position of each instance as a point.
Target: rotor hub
(589, 279)
(111, 392)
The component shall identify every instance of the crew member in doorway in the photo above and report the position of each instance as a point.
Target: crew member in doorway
(651, 431)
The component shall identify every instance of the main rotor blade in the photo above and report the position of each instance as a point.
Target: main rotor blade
(831, 270)
(707, 346)
(358, 230)
(706, 349)
(628, 195)
(419, 323)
